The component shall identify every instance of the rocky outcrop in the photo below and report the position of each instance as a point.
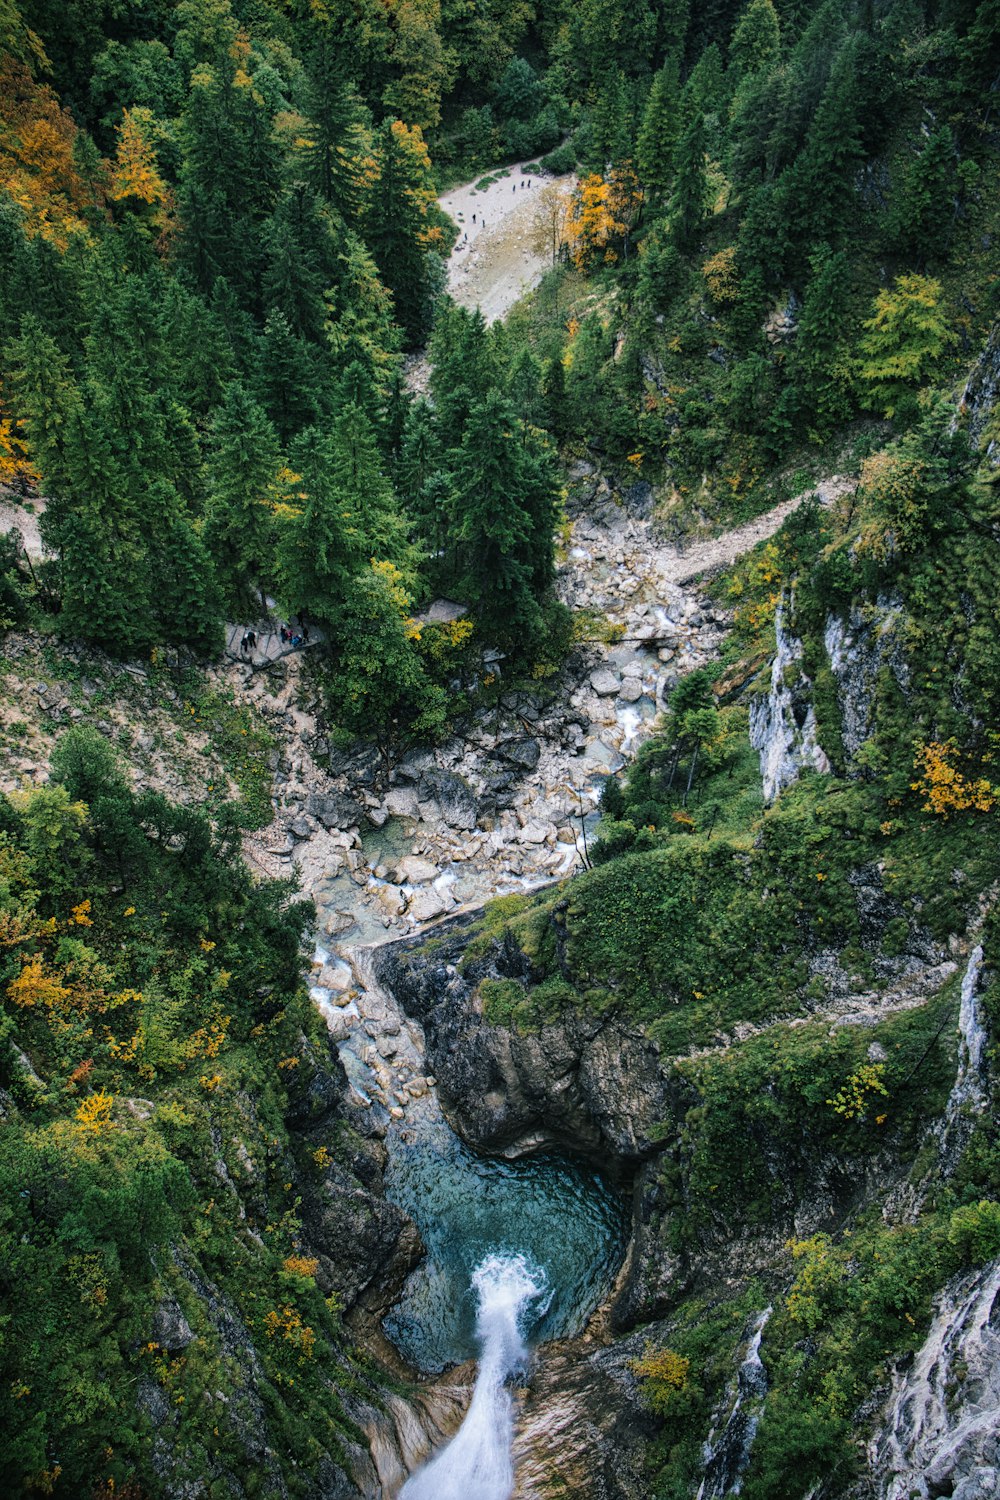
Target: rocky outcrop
(858, 648)
(978, 403)
(582, 1429)
(592, 1083)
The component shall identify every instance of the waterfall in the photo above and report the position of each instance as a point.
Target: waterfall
(726, 1458)
(940, 1433)
(968, 1093)
(477, 1464)
(783, 723)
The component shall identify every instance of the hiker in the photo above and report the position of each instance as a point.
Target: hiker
(252, 639)
(244, 645)
(473, 218)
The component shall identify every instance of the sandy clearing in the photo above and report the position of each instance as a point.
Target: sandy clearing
(23, 518)
(506, 249)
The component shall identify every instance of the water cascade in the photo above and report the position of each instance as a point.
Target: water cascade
(968, 1093)
(726, 1456)
(940, 1434)
(477, 1462)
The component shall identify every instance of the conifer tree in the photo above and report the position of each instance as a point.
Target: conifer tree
(658, 134)
(819, 365)
(380, 689)
(756, 39)
(287, 378)
(497, 531)
(690, 196)
(318, 549)
(243, 464)
(395, 223)
(904, 339)
(336, 120)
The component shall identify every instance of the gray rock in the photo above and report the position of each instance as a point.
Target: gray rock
(334, 809)
(525, 753)
(401, 802)
(171, 1329)
(638, 499)
(630, 690)
(604, 682)
(379, 816)
(454, 797)
(338, 922)
(411, 870)
(426, 905)
(415, 765)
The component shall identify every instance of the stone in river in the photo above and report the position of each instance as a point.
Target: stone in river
(630, 690)
(415, 871)
(392, 900)
(426, 905)
(604, 683)
(338, 922)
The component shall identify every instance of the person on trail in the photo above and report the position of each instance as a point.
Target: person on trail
(244, 645)
(252, 639)
(473, 218)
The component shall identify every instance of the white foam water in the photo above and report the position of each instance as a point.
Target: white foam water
(477, 1464)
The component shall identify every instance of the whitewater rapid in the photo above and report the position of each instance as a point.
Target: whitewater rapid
(477, 1464)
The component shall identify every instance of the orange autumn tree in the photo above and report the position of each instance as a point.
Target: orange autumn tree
(601, 214)
(38, 167)
(943, 786)
(136, 182)
(16, 468)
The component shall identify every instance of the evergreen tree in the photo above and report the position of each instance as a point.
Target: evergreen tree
(336, 120)
(496, 529)
(293, 282)
(756, 40)
(904, 340)
(243, 464)
(818, 369)
(367, 501)
(395, 222)
(923, 208)
(554, 394)
(186, 601)
(288, 382)
(318, 548)
(380, 689)
(463, 368)
(657, 137)
(690, 196)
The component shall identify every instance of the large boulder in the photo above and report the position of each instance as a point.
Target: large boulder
(335, 809)
(454, 797)
(523, 752)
